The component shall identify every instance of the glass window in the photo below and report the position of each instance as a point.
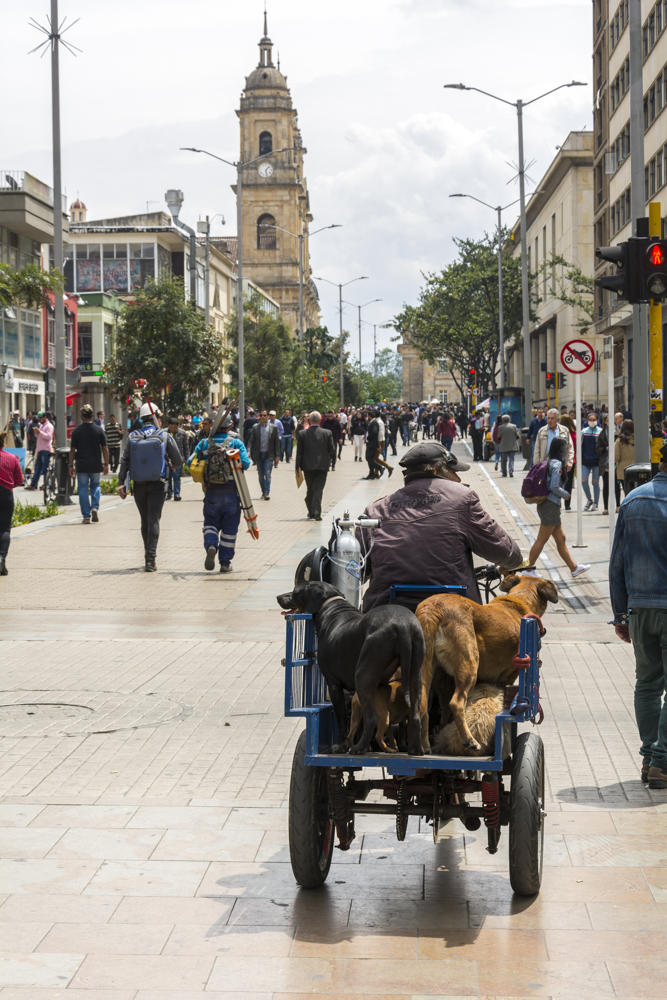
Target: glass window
(31, 339)
(265, 143)
(651, 104)
(442, 395)
(93, 251)
(646, 194)
(85, 343)
(658, 170)
(108, 341)
(115, 275)
(442, 366)
(109, 251)
(266, 233)
(135, 250)
(88, 275)
(11, 339)
(147, 250)
(652, 176)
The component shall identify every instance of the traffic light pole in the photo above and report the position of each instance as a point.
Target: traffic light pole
(655, 354)
(611, 464)
(579, 544)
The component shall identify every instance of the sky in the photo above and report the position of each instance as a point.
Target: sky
(386, 143)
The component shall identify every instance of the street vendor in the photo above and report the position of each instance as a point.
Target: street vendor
(430, 528)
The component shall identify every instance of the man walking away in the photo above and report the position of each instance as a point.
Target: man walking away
(287, 439)
(88, 448)
(248, 424)
(373, 448)
(638, 589)
(145, 459)
(508, 436)
(477, 436)
(265, 451)
(314, 451)
(181, 439)
(344, 420)
(222, 504)
(380, 449)
(330, 423)
(43, 450)
(538, 421)
(114, 436)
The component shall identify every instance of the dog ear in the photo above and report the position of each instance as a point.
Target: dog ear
(508, 583)
(548, 591)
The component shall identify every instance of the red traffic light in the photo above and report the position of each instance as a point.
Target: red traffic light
(656, 255)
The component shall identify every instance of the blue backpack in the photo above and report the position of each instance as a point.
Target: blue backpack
(147, 455)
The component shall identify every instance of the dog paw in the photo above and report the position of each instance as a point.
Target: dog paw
(340, 748)
(472, 745)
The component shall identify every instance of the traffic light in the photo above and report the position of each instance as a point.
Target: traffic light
(562, 380)
(472, 378)
(628, 259)
(551, 380)
(654, 272)
(324, 376)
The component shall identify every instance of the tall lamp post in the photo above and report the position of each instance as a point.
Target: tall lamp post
(239, 165)
(174, 200)
(370, 302)
(340, 287)
(300, 237)
(521, 170)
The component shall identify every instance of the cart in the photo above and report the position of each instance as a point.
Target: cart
(327, 790)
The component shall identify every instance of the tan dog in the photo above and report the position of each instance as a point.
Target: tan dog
(391, 710)
(467, 642)
(484, 703)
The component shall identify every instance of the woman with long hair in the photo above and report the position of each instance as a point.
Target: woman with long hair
(358, 427)
(549, 512)
(10, 477)
(624, 455)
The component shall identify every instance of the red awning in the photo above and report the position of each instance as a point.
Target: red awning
(75, 395)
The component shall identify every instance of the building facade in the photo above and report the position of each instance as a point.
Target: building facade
(275, 200)
(423, 381)
(559, 221)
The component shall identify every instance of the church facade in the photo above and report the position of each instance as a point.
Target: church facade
(274, 196)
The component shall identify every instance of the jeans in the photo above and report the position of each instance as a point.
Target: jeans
(586, 471)
(264, 467)
(89, 491)
(222, 514)
(286, 443)
(405, 433)
(447, 443)
(648, 631)
(174, 485)
(114, 458)
(477, 453)
(505, 458)
(149, 498)
(42, 459)
(315, 482)
(6, 511)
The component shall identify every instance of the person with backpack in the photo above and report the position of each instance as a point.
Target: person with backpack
(590, 461)
(544, 485)
(145, 460)
(222, 504)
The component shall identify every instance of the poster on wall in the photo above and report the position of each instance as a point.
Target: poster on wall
(115, 275)
(135, 274)
(88, 276)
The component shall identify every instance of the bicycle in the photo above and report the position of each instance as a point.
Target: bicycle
(50, 486)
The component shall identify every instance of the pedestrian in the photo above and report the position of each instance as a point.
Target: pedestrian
(638, 590)
(392, 430)
(496, 441)
(114, 436)
(205, 426)
(10, 477)
(602, 449)
(148, 468)
(375, 470)
(545, 436)
(477, 435)
(446, 431)
(176, 471)
(43, 450)
(508, 437)
(590, 461)
(549, 511)
(538, 421)
(287, 439)
(273, 419)
(32, 426)
(265, 451)
(314, 451)
(331, 423)
(358, 427)
(248, 424)
(344, 422)
(222, 504)
(568, 479)
(406, 418)
(303, 423)
(88, 459)
(624, 455)
(99, 420)
(15, 430)
(463, 421)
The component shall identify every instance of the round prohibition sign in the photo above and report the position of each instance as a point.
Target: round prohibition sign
(577, 357)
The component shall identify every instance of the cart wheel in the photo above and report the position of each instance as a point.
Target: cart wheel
(526, 815)
(311, 828)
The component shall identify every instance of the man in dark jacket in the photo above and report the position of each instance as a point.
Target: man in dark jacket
(265, 451)
(332, 423)
(315, 450)
(430, 528)
(181, 439)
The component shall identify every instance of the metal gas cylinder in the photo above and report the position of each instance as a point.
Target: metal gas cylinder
(345, 554)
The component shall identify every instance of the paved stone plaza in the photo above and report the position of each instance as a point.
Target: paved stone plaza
(144, 773)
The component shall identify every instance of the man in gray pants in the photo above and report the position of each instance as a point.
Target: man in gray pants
(508, 438)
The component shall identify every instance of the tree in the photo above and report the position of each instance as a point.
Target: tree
(28, 287)
(320, 348)
(305, 390)
(267, 354)
(570, 285)
(162, 339)
(457, 315)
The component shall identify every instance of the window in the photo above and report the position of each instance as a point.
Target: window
(646, 118)
(266, 233)
(85, 344)
(651, 104)
(652, 176)
(31, 339)
(646, 194)
(658, 171)
(442, 395)
(108, 341)
(265, 143)
(442, 366)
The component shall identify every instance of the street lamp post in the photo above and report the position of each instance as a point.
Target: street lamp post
(239, 165)
(519, 106)
(174, 200)
(340, 287)
(360, 308)
(300, 237)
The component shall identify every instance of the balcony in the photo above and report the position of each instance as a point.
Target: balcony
(26, 205)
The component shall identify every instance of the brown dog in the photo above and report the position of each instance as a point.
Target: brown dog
(484, 703)
(470, 642)
(391, 710)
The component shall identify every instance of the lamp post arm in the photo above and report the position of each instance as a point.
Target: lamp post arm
(574, 83)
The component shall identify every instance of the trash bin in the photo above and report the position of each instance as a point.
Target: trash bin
(62, 475)
(525, 443)
(636, 475)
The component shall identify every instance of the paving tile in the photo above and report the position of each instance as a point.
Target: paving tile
(628, 823)
(484, 943)
(476, 853)
(210, 910)
(147, 972)
(396, 914)
(545, 979)
(15, 815)
(657, 881)
(351, 996)
(178, 818)
(208, 845)
(46, 875)
(51, 909)
(306, 909)
(27, 842)
(355, 944)
(278, 974)
(208, 995)
(275, 847)
(627, 916)
(646, 978)
(247, 942)
(28, 993)
(443, 977)
(37, 970)
(587, 885)
(277, 880)
(529, 913)
(111, 939)
(606, 945)
(89, 817)
(619, 851)
(86, 843)
(262, 818)
(23, 936)
(581, 823)
(147, 878)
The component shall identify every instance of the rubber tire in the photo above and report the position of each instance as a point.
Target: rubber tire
(311, 841)
(526, 848)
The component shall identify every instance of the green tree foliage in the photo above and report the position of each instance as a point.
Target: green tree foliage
(569, 284)
(320, 348)
(457, 314)
(267, 353)
(163, 339)
(304, 390)
(28, 287)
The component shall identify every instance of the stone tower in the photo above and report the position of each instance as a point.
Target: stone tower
(275, 193)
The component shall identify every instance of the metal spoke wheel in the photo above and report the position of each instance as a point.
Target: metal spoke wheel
(527, 814)
(311, 826)
(50, 487)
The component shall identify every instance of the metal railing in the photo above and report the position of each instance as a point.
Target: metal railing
(21, 180)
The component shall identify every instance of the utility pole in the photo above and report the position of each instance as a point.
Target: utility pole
(525, 301)
(61, 380)
(501, 325)
(205, 227)
(340, 288)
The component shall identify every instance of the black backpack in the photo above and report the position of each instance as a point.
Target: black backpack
(218, 471)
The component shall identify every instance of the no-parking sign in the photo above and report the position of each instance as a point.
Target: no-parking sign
(577, 357)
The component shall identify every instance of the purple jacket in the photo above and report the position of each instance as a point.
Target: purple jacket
(428, 532)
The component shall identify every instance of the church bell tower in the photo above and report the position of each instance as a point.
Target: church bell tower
(275, 199)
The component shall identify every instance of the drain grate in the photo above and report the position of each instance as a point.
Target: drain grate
(83, 713)
(36, 711)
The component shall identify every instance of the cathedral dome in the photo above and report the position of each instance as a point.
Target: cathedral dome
(265, 76)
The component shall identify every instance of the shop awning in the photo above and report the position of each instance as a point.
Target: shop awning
(70, 399)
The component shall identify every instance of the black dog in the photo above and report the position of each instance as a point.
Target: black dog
(356, 652)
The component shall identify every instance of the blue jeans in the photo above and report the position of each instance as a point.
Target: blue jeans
(505, 457)
(42, 459)
(89, 491)
(174, 485)
(586, 470)
(648, 631)
(264, 468)
(222, 514)
(405, 434)
(286, 447)
(447, 443)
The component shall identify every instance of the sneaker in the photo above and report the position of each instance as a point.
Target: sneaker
(168, 497)
(211, 553)
(94, 515)
(496, 466)
(594, 506)
(646, 767)
(511, 475)
(150, 566)
(225, 567)
(657, 778)
(176, 499)
(86, 520)
(531, 571)
(605, 511)
(579, 569)
(589, 504)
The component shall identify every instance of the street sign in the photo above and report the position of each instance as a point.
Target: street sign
(468, 392)
(577, 356)
(475, 391)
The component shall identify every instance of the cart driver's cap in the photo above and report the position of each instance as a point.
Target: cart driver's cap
(430, 452)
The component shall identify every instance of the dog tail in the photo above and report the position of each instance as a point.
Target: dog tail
(411, 653)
